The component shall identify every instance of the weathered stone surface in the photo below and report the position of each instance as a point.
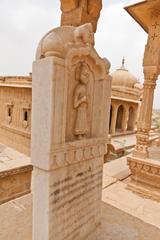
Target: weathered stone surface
(15, 174)
(16, 219)
(119, 197)
(67, 6)
(15, 114)
(78, 12)
(145, 171)
(69, 134)
(117, 169)
(145, 177)
(15, 183)
(120, 225)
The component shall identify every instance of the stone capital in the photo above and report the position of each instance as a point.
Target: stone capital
(150, 73)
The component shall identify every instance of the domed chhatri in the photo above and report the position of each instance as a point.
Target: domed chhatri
(122, 77)
(125, 101)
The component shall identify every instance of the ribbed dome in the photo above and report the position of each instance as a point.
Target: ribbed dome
(121, 77)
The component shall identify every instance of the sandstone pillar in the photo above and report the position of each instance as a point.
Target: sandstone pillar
(78, 12)
(69, 134)
(145, 169)
(114, 119)
(135, 117)
(145, 118)
(125, 118)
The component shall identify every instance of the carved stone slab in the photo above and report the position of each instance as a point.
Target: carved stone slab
(71, 86)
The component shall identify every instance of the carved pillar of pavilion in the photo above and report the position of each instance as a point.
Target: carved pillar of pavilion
(151, 71)
(125, 118)
(145, 118)
(114, 118)
(145, 178)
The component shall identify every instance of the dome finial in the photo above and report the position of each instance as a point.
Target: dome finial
(123, 62)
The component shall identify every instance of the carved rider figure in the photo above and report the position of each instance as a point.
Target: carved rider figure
(81, 101)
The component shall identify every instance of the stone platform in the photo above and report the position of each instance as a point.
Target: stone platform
(15, 174)
(127, 215)
(146, 174)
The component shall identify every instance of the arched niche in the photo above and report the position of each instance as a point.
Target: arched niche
(96, 89)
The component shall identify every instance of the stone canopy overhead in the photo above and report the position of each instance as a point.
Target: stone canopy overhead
(141, 12)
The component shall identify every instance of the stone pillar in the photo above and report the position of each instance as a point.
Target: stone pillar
(69, 135)
(78, 12)
(145, 117)
(125, 118)
(114, 119)
(135, 116)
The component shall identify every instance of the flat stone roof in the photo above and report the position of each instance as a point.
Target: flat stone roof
(11, 159)
(16, 81)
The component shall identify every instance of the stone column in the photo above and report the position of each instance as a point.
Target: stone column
(69, 135)
(125, 118)
(145, 117)
(78, 12)
(135, 116)
(114, 119)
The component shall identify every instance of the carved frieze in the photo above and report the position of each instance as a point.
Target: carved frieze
(16, 171)
(78, 151)
(145, 178)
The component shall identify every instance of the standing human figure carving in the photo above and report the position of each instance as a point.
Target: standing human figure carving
(81, 101)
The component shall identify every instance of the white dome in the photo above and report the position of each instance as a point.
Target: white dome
(121, 77)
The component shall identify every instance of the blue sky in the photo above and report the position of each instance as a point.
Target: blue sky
(24, 22)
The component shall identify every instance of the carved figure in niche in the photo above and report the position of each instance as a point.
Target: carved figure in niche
(81, 101)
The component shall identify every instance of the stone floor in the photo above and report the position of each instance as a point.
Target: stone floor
(16, 219)
(127, 215)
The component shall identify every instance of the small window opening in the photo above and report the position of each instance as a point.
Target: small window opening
(25, 116)
(9, 112)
